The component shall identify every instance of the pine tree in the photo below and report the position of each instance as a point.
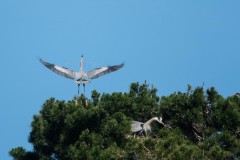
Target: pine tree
(199, 124)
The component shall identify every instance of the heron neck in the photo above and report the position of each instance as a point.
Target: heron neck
(81, 65)
(150, 121)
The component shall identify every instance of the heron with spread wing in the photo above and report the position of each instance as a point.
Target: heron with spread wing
(81, 77)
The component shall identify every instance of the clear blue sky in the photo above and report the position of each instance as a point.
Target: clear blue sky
(168, 43)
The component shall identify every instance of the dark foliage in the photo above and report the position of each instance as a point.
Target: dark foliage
(199, 125)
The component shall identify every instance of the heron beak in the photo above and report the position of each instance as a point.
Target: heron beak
(161, 122)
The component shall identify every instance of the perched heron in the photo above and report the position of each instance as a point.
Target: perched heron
(81, 77)
(140, 127)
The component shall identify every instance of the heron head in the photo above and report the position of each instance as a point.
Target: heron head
(160, 121)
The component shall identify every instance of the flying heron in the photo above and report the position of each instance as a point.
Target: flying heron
(81, 77)
(140, 127)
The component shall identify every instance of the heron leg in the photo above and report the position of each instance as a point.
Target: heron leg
(78, 88)
(84, 88)
(145, 133)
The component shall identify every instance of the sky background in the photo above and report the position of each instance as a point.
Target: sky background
(168, 43)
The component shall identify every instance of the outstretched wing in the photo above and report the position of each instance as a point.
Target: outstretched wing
(136, 126)
(62, 71)
(98, 72)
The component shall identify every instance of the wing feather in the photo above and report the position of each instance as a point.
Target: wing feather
(98, 72)
(62, 71)
(136, 126)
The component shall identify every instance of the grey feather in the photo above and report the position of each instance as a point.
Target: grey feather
(62, 71)
(98, 72)
(136, 126)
